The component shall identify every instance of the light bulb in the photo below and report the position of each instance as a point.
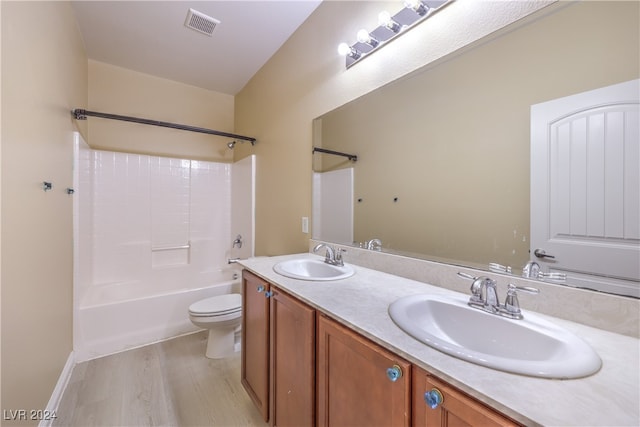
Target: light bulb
(363, 36)
(417, 6)
(344, 49)
(385, 20)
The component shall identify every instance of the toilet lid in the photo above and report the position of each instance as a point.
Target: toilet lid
(218, 305)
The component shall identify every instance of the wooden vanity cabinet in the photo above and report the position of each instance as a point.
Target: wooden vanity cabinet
(354, 388)
(255, 341)
(278, 353)
(456, 409)
(293, 348)
(301, 368)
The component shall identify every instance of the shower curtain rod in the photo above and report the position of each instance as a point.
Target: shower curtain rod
(81, 114)
(351, 157)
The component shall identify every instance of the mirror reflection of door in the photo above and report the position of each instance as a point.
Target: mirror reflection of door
(585, 187)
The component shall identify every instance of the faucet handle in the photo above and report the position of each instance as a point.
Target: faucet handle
(338, 256)
(553, 277)
(527, 289)
(511, 306)
(499, 268)
(466, 276)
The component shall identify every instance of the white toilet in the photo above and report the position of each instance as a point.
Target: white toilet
(222, 316)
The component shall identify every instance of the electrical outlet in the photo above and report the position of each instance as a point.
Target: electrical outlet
(305, 224)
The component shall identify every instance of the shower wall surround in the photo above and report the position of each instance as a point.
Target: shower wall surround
(156, 218)
(151, 236)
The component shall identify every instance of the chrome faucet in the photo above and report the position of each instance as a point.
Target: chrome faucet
(374, 244)
(484, 295)
(332, 256)
(491, 300)
(531, 270)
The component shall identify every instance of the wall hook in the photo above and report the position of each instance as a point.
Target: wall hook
(46, 186)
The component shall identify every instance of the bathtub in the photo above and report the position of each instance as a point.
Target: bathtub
(114, 317)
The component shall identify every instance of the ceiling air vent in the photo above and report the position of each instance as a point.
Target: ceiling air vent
(200, 22)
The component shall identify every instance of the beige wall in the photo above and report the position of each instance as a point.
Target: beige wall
(44, 75)
(120, 91)
(452, 143)
(306, 78)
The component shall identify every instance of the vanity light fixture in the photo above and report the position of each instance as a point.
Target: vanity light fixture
(389, 27)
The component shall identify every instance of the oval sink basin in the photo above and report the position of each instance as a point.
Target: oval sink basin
(312, 269)
(531, 346)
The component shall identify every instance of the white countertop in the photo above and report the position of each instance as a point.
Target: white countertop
(611, 397)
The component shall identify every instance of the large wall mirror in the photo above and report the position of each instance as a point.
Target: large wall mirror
(443, 169)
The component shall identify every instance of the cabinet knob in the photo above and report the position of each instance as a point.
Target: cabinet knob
(260, 289)
(268, 294)
(394, 373)
(433, 398)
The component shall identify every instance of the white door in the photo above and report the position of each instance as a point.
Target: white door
(585, 187)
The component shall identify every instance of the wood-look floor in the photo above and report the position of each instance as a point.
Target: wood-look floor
(170, 383)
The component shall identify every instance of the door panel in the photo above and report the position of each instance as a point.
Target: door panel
(353, 386)
(255, 341)
(585, 186)
(292, 361)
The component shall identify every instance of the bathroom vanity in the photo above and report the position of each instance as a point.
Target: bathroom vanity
(328, 353)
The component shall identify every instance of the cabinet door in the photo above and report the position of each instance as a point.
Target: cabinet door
(354, 388)
(255, 341)
(292, 361)
(456, 408)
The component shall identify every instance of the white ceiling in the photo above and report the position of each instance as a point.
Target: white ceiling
(150, 37)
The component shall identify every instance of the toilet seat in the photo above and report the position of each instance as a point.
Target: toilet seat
(220, 305)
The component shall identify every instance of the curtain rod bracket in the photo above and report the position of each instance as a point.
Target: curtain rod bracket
(81, 114)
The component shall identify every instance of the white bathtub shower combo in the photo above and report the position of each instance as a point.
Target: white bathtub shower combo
(152, 236)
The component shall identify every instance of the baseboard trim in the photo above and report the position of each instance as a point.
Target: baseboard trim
(58, 391)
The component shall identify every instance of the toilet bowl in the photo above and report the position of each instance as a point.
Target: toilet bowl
(222, 316)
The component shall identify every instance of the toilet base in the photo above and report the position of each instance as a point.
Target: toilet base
(221, 343)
